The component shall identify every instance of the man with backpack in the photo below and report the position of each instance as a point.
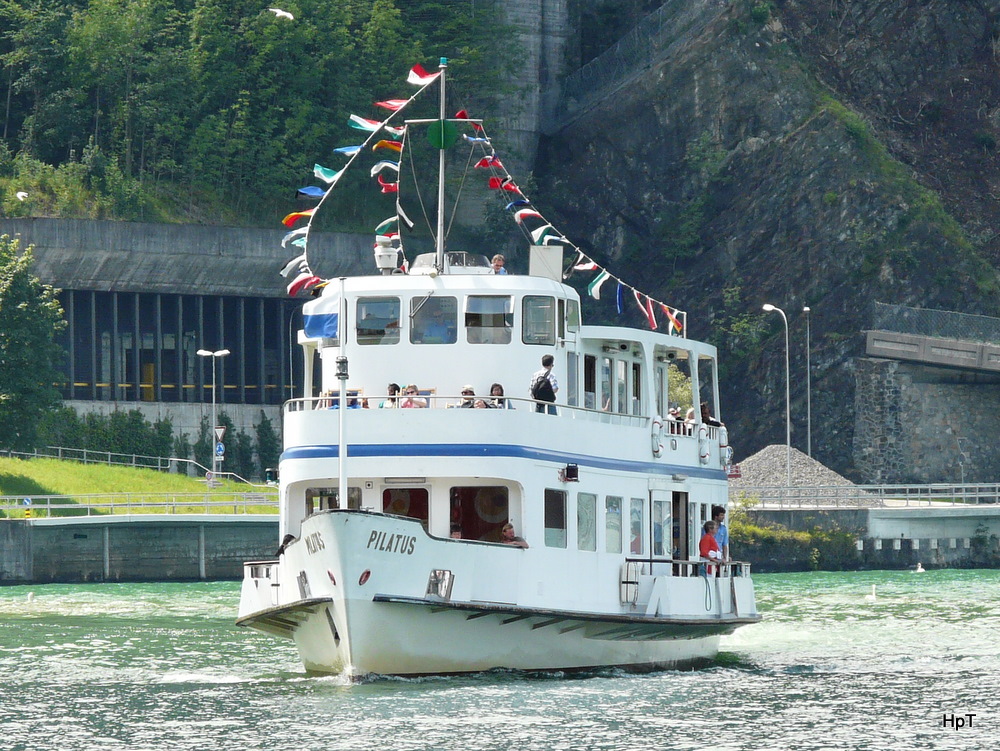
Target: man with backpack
(543, 386)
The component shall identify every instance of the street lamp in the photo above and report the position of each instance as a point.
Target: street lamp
(215, 356)
(788, 400)
(809, 434)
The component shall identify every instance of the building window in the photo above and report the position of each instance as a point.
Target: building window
(555, 518)
(488, 319)
(586, 521)
(538, 320)
(378, 320)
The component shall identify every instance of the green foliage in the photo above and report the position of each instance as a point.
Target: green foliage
(678, 388)
(985, 140)
(120, 432)
(779, 549)
(761, 13)
(740, 331)
(830, 198)
(268, 445)
(30, 320)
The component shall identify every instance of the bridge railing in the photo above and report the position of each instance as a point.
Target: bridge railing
(943, 324)
(865, 496)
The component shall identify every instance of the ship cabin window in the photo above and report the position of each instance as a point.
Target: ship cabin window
(409, 502)
(607, 397)
(433, 320)
(706, 385)
(590, 381)
(538, 320)
(636, 388)
(327, 499)
(572, 315)
(661, 527)
(586, 521)
(613, 524)
(555, 518)
(621, 385)
(378, 320)
(480, 511)
(635, 526)
(661, 389)
(572, 379)
(488, 319)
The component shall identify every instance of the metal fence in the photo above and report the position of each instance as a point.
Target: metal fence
(45, 506)
(89, 456)
(653, 39)
(864, 496)
(944, 324)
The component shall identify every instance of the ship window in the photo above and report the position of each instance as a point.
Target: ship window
(661, 526)
(635, 526)
(607, 402)
(572, 315)
(433, 320)
(586, 521)
(325, 499)
(555, 518)
(621, 382)
(378, 320)
(480, 511)
(409, 502)
(572, 379)
(539, 320)
(636, 388)
(613, 524)
(590, 382)
(488, 319)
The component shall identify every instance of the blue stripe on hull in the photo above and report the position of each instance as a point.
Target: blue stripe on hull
(324, 451)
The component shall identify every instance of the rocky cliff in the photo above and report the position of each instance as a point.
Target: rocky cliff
(803, 153)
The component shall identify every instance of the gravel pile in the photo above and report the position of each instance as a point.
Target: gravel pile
(768, 467)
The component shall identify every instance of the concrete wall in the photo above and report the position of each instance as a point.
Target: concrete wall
(135, 548)
(918, 424)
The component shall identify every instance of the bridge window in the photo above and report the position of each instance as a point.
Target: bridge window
(488, 319)
(538, 320)
(572, 315)
(586, 521)
(613, 524)
(555, 518)
(590, 382)
(325, 499)
(378, 320)
(434, 320)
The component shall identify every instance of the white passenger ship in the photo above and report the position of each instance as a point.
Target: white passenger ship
(608, 495)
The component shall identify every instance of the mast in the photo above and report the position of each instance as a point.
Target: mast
(439, 248)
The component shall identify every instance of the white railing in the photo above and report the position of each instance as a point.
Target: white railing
(436, 401)
(865, 496)
(41, 506)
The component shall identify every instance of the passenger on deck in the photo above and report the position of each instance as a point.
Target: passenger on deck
(456, 531)
(481, 404)
(468, 397)
(708, 547)
(544, 387)
(706, 416)
(498, 401)
(721, 531)
(411, 399)
(507, 537)
(392, 400)
(497, 263)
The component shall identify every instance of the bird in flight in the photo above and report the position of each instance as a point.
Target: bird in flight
(279, 13)
(21, 195)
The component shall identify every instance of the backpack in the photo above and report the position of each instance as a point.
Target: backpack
(542, 390)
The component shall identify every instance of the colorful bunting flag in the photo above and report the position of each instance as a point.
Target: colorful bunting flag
(298, 261)
(303, 281)
(293, 234)
(347, 150)
(327, 175)
(402, 215)
(583, 263)
(384, 225)
(672, 317)
(420, 77)
(503, 183)
(463, 115)
(289, 220)
(388, 187)
(594, 288)
(390, 145)
(394, 105)
(384, 164)
(310, 191)
(650, 314)
(489, 161)
(475, 139)
(647, 309)
(361, 123)
(618, 298)
(519, 202)
(522, 214)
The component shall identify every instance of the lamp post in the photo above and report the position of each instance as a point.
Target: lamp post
(809, 434)
(788, 400)
(215, 356)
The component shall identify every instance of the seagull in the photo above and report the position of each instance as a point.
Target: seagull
(21, 195)
(279, 13)
(871, 597)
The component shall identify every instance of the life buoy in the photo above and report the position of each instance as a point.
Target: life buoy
(656, 436)
(704, 452)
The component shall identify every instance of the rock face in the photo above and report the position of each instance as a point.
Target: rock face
(801, 154)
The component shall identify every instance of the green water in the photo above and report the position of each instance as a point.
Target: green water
(161, 666)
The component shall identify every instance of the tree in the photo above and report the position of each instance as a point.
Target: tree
(268, 444)
(30, 320)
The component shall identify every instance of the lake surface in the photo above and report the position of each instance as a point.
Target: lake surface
(161, 667)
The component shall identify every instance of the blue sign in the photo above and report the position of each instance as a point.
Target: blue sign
(220, 449)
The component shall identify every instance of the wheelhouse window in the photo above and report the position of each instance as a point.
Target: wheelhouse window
(480, 512)
(613, 524)
(326, 499)
(433, 320)
(488, 319)
(586, 521)
(635, 526)
(409, 502)
(661, 527)
(572, 315)
(378, 320)
(555, 518)
(538, 320)
(590, 382)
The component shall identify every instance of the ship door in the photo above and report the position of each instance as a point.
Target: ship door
(679, 527)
